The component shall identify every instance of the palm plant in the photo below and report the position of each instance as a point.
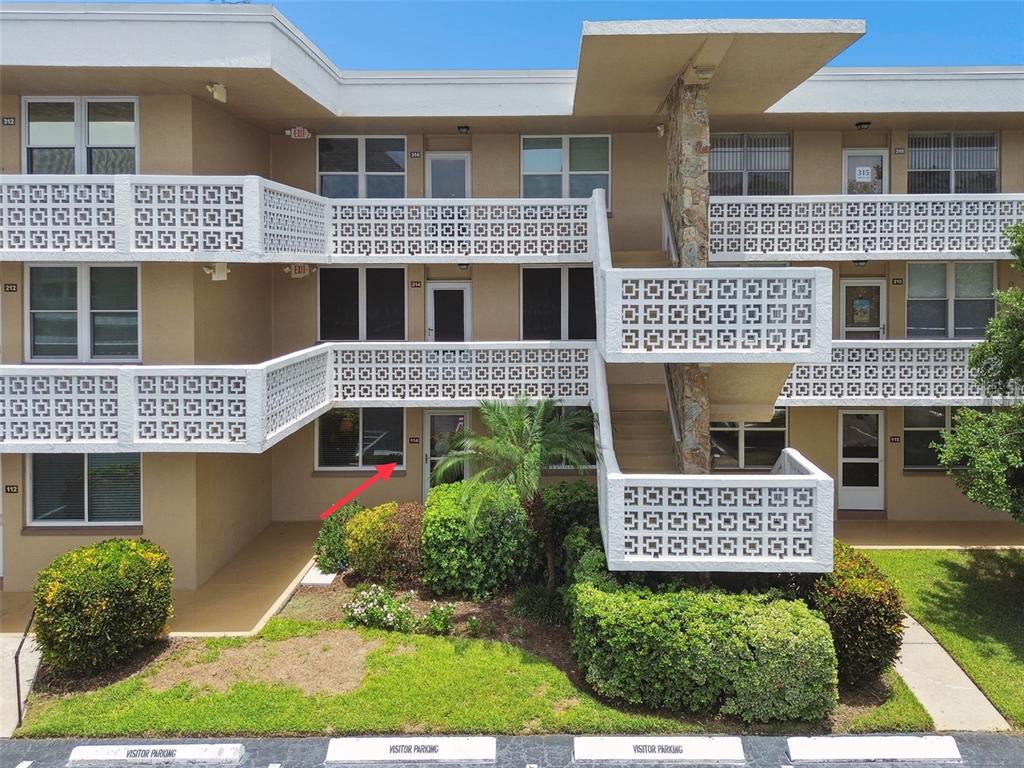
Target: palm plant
(521, 441)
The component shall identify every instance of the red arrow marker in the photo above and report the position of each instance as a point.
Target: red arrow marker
(383, 473)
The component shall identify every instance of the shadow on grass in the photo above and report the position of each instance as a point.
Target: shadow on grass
(980, 597)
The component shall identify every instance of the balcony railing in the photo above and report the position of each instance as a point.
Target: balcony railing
(249, 219)
(846, 227)
(776, 522)
(897, 373)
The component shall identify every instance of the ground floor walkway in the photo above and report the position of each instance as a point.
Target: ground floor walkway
(930, 534)
(236, 599)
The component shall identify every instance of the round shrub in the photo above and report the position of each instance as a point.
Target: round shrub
(755, 657)
(477, 558)
(330, 552)
(98, 604)
(370, 534)
(864, 610)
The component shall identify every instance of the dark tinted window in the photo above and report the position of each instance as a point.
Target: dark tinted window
(542, 303)
(339, 304)
(582, 312)
(385, 304)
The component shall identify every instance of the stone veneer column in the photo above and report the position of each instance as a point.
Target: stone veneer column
(688, 147)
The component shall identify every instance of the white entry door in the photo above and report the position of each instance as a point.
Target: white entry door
(449, 311)
(438, 428)
(863, 308)
(865, 171)
(448, 174)
(861, 460)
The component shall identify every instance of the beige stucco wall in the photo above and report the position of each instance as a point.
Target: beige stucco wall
(233, 317)
(495, 165)
(12, 338)
(909, 495)
(223, 144)
(1011, 160)
(168, 314)
(165, 134)
(293, 161)
(10, 135)
(233, 494)
(638, 182)
(168, 511)
(817, 162)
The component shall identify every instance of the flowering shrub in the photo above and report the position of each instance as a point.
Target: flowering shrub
(439, 620)
(96, 605)
(375, 607)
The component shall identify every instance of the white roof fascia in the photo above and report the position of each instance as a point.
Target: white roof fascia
(724, 27)
(893, 90)
(166, 36)
(458, 93)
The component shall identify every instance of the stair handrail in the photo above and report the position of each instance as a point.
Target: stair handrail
(668, 232)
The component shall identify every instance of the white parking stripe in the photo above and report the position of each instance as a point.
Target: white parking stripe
(157, 753)
(657, 749)
(828, 749)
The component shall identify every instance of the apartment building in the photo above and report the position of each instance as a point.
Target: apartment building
(236, 279)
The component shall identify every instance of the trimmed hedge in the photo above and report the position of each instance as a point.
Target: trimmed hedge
(330, 552)
(865, 613)
(756, 657)
(474, 559)
(98, 604)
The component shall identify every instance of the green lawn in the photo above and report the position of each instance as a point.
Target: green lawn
(902, 713)
(411, 683)
(972, 601)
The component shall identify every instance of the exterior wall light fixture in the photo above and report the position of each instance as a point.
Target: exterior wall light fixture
(219, 92)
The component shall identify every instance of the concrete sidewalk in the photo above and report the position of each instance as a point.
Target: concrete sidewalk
(951, 698)
(8, 696)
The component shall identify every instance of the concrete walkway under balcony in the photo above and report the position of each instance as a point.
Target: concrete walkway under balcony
(235, 600)
(930, 534)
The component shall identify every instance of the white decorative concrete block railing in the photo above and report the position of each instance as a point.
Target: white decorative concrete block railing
(430, 374)
(250, 219)
(845, 227)
(717, 315)
(894, 372)
(43, 408)
(775, 522)
(424, 230)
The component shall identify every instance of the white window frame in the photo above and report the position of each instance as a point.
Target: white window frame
(81, 145)
(565, 173)
(361, 172)
(952, 153)
(746, 169)
(31, 522)
(947, 427)
(84, 312)
(362, 298)
(564, 298)
(318, 467)
(741, 428)
(950, 294)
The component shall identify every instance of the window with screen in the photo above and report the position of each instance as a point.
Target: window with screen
(358, 438)
(80, 135)
(558, 303)
(361, 166)
(950, 299)
(922, 427)
(748, 444)
(77, 489)
(362, 303)
(750, 164)
(958, 163)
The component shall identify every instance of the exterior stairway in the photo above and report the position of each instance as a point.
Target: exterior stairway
(641, 425)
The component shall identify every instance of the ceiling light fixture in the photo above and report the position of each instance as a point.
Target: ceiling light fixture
(463, 130)
(863, 125)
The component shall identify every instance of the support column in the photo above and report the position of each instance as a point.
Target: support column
(687, 152)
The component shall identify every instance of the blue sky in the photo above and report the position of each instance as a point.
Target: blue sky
(493, 34)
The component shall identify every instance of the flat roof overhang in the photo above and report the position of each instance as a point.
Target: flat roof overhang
(626, 68)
